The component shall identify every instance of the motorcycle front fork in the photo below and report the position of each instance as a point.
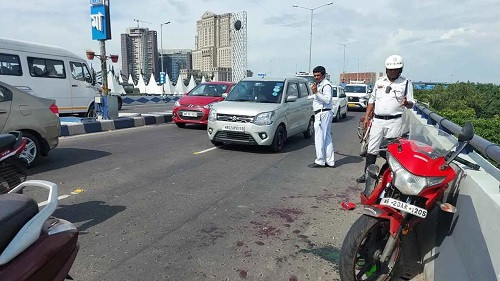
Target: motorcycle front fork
(391, 242)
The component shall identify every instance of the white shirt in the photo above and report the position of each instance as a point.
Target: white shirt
(390, 103)
(323, 98)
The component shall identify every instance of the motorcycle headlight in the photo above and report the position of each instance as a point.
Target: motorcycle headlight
(263, 118)
(212, 116)
(407, 182)
(177, 103)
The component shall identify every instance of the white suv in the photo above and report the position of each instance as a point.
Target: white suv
(357, 95)
(263, 111)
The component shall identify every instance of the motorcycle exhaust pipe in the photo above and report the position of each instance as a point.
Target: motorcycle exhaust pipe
(371, 177)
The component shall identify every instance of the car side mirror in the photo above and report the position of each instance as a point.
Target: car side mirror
(89, 79)
(224, 95)
(467, 132)
(291, 98)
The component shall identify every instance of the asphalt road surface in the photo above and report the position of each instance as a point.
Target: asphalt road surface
(161, 203)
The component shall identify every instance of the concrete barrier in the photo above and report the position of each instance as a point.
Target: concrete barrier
(74, 128)
(465, 245)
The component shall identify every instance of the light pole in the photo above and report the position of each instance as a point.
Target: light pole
(161, 55)
(311, 35)
(270, 65)
(345, 44)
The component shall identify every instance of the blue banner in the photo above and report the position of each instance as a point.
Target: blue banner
(100, 22)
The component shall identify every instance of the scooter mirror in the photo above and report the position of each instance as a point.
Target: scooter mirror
(467, 132)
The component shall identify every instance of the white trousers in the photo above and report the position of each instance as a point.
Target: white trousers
(323, 138)
(383, 129)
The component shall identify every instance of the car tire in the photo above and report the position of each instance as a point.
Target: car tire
(345, 114)
(120, 103)
(181, 125)
(337, 117)
(31, 153)
(91, 111)
(310, 129)
(216, 143)
(279, 139)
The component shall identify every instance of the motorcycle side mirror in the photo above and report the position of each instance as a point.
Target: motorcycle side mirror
(467, 132)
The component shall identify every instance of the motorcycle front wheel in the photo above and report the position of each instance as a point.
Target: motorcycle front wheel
(364, 242)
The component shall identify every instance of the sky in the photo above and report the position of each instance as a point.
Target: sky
(440, 41)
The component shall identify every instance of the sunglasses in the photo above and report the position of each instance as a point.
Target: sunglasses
(388, 89)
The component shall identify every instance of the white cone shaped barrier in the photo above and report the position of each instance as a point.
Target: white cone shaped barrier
(130, 80)
(141, 85)
(152, 87)
(203, 80)
(191, 84)
(169, 88)
(180, 88)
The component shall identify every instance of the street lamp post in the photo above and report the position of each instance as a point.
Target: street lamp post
(270, 65)
(161, 54)
(345, 44)
(311, 34)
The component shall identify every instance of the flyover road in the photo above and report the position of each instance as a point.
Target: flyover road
(161, 203)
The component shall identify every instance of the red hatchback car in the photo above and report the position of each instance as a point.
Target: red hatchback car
(194, 107)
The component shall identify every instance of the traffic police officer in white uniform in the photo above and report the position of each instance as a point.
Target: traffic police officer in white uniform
(391, 94)
(323, 116)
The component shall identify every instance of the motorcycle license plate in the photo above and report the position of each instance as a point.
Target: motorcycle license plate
(405, 207)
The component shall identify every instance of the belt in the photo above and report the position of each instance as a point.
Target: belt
(387, 117)
(320, 110)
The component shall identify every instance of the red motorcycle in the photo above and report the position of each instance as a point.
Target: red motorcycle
(12, 168)
(409, 185)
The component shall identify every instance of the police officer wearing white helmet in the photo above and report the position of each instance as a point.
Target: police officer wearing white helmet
(390, 95)
(323, 116)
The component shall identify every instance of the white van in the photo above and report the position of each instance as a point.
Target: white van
(49, 72)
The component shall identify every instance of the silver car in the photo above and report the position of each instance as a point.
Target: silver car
(261, 111)
(37, 118)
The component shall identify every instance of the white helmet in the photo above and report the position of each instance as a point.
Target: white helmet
(394, 62)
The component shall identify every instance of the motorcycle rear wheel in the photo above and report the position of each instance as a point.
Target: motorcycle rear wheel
(367, 237)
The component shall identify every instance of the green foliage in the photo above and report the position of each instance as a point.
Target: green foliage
(462, 102)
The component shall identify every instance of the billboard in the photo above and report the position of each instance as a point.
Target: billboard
(100, 22)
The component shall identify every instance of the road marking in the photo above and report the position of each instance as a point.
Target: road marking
(58, 198)
(203, 151)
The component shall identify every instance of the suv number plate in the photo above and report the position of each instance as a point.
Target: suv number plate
(405, 207)
(234, 128)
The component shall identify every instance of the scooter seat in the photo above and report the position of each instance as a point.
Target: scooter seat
(6, 141)
(15, 211)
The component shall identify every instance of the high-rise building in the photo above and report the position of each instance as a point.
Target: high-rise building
(139, 52)
(174, 60)
(221, 46)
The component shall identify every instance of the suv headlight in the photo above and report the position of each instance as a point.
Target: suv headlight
(263, 118)
(208, 106)
(408, 183)
(212, 116)
(177, 103)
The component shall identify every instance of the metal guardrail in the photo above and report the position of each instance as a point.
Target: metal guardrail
(485, 147)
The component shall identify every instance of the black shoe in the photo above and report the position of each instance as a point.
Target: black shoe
(330, 166)
(315, 165)
(361, 179)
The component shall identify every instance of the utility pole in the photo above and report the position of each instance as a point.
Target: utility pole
(344, 45)
(311, 33)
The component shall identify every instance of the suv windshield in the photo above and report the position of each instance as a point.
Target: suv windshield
(355, 89)
(208, 90)
(257, 91)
